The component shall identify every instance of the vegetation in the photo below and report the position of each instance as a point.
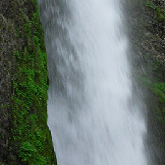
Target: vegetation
(156, 112)
(30, 135)
(29, 101)
(157, 84)
(160, 13)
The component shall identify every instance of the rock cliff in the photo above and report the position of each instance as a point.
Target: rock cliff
(24, 135)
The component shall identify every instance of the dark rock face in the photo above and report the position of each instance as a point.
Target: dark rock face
(7, 45)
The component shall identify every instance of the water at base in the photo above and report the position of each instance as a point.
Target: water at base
(91, 114)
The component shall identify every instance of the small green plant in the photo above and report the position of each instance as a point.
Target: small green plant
(158, 89)
(160, 13)
(27, 151)
(149, 4)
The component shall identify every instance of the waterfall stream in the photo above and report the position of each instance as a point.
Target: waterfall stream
(91, 114)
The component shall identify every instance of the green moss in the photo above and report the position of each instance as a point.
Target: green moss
(158, 89)
(160, 13)
(29, 100)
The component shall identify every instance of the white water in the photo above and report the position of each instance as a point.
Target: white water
(90, 111)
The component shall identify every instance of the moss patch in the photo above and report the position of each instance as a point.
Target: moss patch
(159, 16)
(29, 140)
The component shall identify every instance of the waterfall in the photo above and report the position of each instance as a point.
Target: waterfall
(91, 114)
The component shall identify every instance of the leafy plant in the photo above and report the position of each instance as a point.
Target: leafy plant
(160, 13)
(27, 151)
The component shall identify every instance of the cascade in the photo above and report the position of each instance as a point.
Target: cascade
(91, 114)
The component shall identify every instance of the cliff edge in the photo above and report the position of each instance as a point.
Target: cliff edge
(24, 135)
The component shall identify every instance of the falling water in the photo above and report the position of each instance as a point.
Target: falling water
(91, 114)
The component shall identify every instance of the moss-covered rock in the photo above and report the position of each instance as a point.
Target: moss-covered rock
(24, 135)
